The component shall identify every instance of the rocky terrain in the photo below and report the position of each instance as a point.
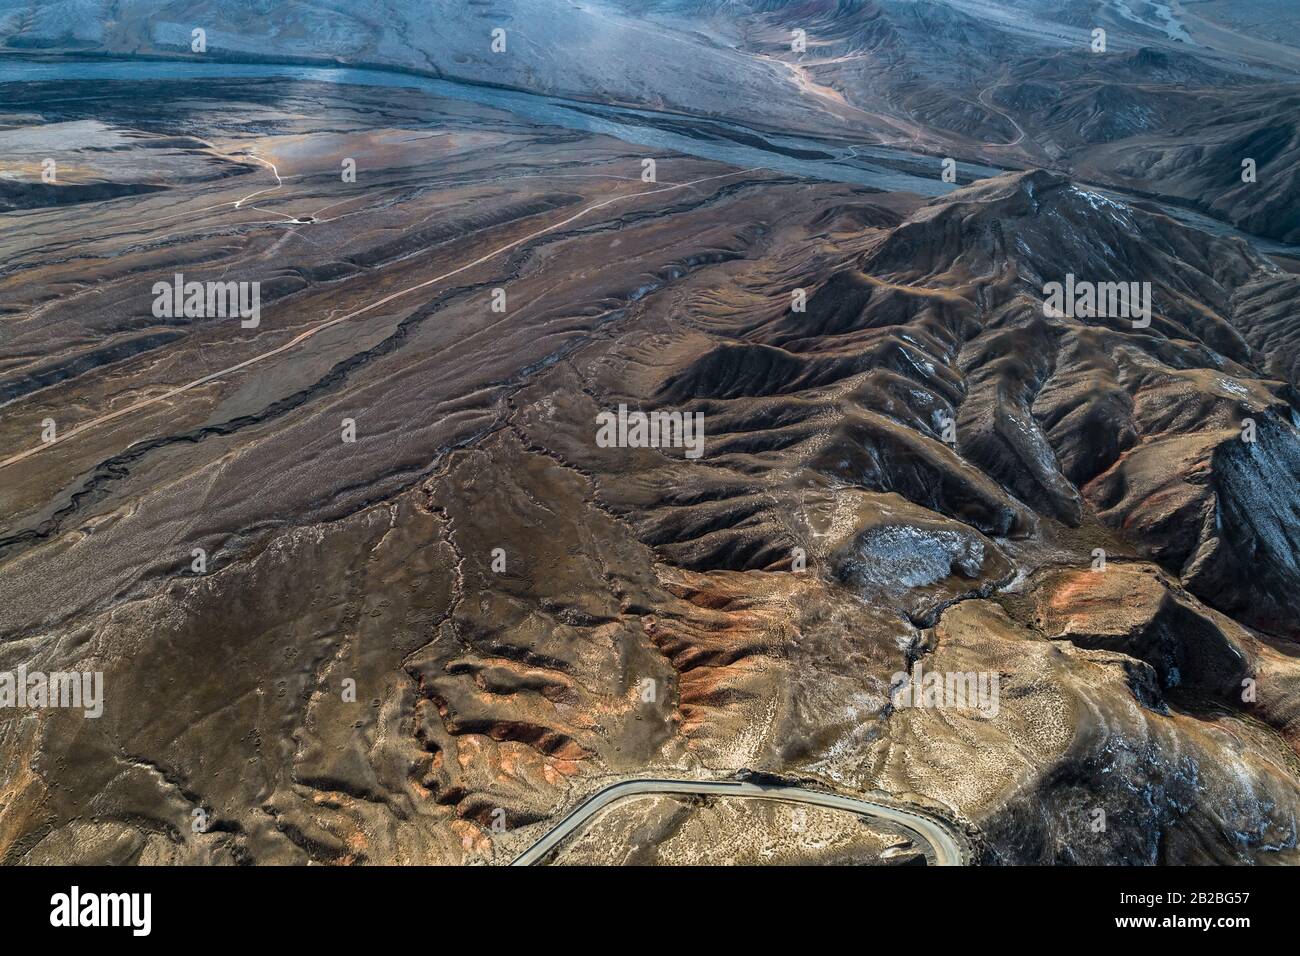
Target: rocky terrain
(365, 584)
(1178, 97)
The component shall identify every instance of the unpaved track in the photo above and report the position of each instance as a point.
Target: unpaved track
(330, 323)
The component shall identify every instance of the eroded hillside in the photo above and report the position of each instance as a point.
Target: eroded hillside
(423, 639)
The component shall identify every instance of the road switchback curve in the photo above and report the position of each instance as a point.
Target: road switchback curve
(948, 845)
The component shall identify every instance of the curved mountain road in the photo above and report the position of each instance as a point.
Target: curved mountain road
(948, 845)
(1020, 132)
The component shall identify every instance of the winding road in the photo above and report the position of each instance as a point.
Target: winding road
(948, 846)
(1020, 133)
